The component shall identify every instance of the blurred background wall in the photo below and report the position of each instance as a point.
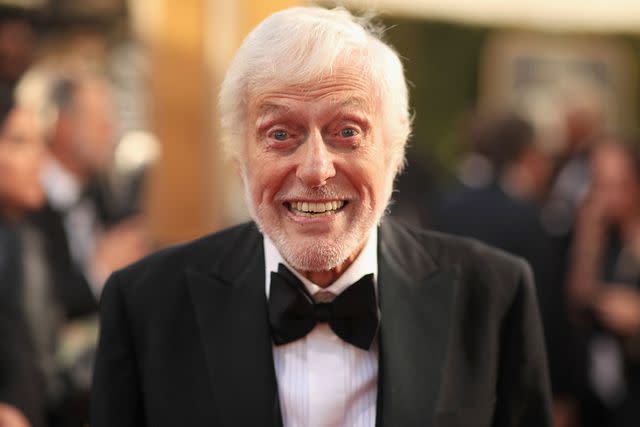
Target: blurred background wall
(167, 59)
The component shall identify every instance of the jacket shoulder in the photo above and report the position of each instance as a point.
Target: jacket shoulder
(481, 267)
(167, 266)
(446, 249)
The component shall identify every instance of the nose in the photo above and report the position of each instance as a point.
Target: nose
(316, 166)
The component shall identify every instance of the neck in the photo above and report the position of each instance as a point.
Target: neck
(326, 278)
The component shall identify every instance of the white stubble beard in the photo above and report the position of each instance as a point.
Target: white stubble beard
(320, 254)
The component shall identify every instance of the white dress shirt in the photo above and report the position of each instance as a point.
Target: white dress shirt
(322, 380)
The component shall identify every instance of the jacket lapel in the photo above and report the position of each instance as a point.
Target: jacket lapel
(416, 300)
(231, 312)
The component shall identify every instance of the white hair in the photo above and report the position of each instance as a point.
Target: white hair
(301, 45)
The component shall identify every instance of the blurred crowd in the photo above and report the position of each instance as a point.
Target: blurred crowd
(573, 214)
(62, 228)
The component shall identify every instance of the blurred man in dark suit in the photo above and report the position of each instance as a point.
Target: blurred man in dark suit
(320, 313)
(503, 210)
(22, 154)
(81, 246)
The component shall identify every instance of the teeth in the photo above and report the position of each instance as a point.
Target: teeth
(317, 208)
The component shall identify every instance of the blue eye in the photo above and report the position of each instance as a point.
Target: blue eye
(280, 135)
(348, 132)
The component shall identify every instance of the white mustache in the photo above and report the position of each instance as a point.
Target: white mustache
(320, 193)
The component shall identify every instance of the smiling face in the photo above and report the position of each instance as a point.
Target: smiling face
(317, 170)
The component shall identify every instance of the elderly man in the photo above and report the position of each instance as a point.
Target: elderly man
(319, 313)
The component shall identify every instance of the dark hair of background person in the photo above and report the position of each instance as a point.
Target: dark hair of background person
(62, 93)
(501, 139)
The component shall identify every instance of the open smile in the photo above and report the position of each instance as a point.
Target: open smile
(315, 209)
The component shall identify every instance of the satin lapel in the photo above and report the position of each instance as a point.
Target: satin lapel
(416, 299)
(234, 328)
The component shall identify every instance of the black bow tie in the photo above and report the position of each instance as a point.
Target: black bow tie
(352, 315)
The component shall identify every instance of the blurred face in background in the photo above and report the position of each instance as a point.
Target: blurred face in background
(615, 181)
(89, 127)
(22, 154)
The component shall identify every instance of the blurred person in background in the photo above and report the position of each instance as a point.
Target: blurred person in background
(604, 285)
(504, 180)
(510, 175)
(17, 47)
(22, 154)
(82, 244)
(584, 120)
(82, 143)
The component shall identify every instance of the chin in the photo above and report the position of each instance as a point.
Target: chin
(315, 252)
(34, 201)
(314, 256)
(317, 248)
(22, 204)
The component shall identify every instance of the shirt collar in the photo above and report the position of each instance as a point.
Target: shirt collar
(365, 263)
(62, 188)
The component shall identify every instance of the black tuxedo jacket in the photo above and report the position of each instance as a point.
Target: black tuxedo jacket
(185, 338)
(21, 384)
(70, 286)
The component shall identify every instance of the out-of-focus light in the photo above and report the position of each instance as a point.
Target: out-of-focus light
(32, 92)
(25, 4)
(146, 17)
(565, 15)
(475, 171)
(136, 150)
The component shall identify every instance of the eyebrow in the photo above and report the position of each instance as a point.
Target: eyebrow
(269, 108)
(355, 102)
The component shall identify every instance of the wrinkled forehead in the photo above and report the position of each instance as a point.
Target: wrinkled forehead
(279, 105)
(342, 87)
